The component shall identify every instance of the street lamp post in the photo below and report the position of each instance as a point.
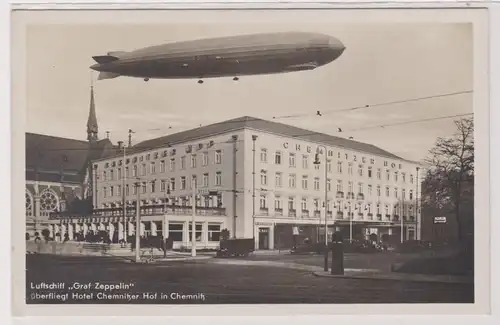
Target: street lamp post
(418, 220)
(254, 138)
(137, 222)
(124, 202)
(317, 162)
(193, 221)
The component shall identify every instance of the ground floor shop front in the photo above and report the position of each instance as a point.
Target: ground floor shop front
(284, 234)
(178, 228)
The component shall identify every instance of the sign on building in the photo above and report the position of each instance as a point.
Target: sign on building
(439, 219)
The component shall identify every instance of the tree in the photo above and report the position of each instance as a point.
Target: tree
(449, 182)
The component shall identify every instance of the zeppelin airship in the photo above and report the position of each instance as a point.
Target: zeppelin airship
(233, 56)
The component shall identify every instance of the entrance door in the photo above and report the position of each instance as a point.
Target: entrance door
(263, 238)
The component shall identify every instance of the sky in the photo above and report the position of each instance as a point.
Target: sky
(381, 63)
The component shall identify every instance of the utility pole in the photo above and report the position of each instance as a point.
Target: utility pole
(417, 219)
(350, 219)
(317, 162)
(235, 174)
(138, 223)
(402, 222)
(254, 138)
(193, 221)
(124, 202)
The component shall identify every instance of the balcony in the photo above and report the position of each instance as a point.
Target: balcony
(305, 213)
(146, 210)
(387, 217)
(292, 213)
(329, 214)
(317, 214)
(340, 215)
(350, 196)
(395, 217)
(278, 211)
(412, 218)
(340, 195)
(360, 197)
(379, 217)
(264, 211)
(370, 216)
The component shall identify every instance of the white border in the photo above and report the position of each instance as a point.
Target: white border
(261, 310)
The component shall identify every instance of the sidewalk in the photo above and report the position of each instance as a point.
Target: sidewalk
(394, 276)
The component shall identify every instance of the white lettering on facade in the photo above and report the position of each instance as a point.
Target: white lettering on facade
(308, 149)
(285, 145)
(297, 147)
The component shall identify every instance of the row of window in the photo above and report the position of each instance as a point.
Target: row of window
(151, 168)
(151, 186)
(292, 183)
(176, 232)
(338, 206)
(350, 166)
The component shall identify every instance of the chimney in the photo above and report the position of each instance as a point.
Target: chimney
(120, 143)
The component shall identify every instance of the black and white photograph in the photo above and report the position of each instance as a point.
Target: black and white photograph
(248, 158)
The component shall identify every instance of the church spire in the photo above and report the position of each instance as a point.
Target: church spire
(92, 128)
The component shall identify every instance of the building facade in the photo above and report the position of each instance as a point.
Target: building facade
(255, 178)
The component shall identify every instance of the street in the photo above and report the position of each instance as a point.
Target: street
(222, 283)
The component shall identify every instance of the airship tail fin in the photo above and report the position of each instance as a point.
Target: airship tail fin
(104, 58)
(107, 75)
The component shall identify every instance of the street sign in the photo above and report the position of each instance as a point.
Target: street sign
(295, 230)
(206, 191)
(439, 219)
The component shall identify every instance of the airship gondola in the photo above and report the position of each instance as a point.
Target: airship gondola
(234, 56)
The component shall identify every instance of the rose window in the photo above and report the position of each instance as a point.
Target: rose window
(48, 201)
(29, 204)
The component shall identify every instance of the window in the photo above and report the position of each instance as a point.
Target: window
(194, 181)
(388, 175)
(162, 186)
(387, 191)
(316, 204)
(172, 164)
(111, 175)
(303, 204)
(134, 190)
(143, 170)
(218, 178)
(349, 171)
(205, 180)
(218, 156)
(143, 188)
(183, 162)
(291, 160)
(369, 172)
(305, 161)
(193, 161)
(339, 186)
(119, 176)
(386, 209)
(292, 179)
(329, 185)
(162, 166)
(263, 177)
(277, 158)
(172, 184)
(152, 168)
(360, 187)
(153, 186)
(214, 232)
(403, 177)
(329, 166)
(176, 231)
(379, 173)
(279, 182)
(111, 191)
(395, 176)
(316, 184)
(350, 187)
(183, 182)
(304, 182)
(127, 190)
(378, 190)
(277, 203)
(411, 194)
(403, 194)
(360, 170)
(395, 192)
(126, 172)
(198, 231)
(369, 190)
(263, 202)
(316, 166)
(411, 179)
(291, 203)
(263, 155)
(204, 159)
(339, 167)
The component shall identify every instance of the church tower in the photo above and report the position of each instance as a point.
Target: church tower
(92, 127)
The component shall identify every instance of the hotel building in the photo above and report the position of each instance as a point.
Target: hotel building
(255, 178)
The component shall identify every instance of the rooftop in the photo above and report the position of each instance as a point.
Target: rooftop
(260, 125)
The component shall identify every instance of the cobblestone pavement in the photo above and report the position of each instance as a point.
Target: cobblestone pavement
(219, 283)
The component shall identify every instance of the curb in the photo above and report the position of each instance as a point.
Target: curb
(393, 277)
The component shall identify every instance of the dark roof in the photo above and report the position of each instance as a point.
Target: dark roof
(48, 156)
(261, 125)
